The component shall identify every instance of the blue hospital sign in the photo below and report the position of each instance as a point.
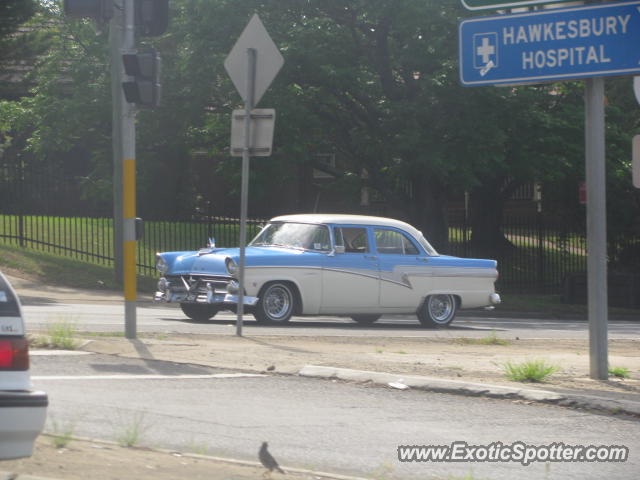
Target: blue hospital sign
(485, 46)
(550, 45)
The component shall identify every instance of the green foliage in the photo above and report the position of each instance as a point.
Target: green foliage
(129, 432)
(61, 432)
(13, 13)
(199, 448)
(529, 371)
(61, 335)
(619, 372)
(373, 82)
(491, 339)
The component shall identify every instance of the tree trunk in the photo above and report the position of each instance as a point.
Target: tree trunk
(428, 212)
(487, 211)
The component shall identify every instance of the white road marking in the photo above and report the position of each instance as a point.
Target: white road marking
(145, 377)
(43, 353)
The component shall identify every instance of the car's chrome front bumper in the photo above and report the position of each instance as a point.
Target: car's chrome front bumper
(204, 292)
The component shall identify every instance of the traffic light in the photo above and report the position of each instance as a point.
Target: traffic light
(99, 10)
(144, 89)
(151, 17)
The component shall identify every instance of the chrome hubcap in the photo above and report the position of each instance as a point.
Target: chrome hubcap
(277, 302)
(440, 308)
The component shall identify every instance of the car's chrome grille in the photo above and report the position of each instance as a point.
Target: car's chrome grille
(198, 283)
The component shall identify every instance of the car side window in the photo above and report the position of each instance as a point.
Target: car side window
(320, 239)
(353, 239)
(393, 242)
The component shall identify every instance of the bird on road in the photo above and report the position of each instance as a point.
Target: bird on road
(267, 460)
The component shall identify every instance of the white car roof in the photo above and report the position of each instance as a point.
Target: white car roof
(344, 219)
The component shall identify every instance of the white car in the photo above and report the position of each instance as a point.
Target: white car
(344, 265)
(22, 410)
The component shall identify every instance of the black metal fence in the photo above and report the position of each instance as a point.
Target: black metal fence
(92, 239)
(548, 254)
(540, 259)
(57, 217)
(540, 252)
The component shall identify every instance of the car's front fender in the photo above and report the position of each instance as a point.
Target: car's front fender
(306, 279)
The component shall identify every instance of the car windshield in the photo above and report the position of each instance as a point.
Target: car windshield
(427, 246)
(294, 235)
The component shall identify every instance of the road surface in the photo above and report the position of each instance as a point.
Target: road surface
(309, 423)
(109, 317)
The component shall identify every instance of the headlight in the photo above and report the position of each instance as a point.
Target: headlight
(232, 267)
(161, 264)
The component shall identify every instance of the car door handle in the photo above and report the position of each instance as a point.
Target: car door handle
(423, 259)
(370, 257)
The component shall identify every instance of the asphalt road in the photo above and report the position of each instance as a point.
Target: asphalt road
(110, 317)
(310, 423)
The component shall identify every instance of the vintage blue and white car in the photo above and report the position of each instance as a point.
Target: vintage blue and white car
(323, 264)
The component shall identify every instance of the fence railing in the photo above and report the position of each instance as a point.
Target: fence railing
(92, 239)
(47, 209)
(543, 253)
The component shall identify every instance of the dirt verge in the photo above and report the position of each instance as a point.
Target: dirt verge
(456, 359)
(97, 460)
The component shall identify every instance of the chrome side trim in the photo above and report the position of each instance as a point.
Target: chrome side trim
(353, 272)
(405, 283)
(464, 272)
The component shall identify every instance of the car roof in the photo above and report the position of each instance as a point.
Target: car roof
(344, 219)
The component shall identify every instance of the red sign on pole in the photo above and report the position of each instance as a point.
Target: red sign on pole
(582, 193)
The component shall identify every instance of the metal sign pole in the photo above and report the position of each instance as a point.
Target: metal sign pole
(129, 188)
(596, 227)
(244, 195)
(124, 153)
(116, 39)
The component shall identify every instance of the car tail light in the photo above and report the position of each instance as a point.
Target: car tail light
(14, 354)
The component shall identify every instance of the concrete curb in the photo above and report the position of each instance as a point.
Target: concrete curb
(13, 476)
(476, 389)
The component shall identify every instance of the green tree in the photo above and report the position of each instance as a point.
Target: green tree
(373, 81)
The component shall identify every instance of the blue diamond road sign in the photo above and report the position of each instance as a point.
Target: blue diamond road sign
(551, 45)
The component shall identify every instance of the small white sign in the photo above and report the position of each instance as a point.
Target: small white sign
(263, 122)
(636, 87)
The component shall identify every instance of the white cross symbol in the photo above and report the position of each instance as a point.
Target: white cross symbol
(485, 50)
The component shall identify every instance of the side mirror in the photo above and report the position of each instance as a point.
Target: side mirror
(339, 249)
